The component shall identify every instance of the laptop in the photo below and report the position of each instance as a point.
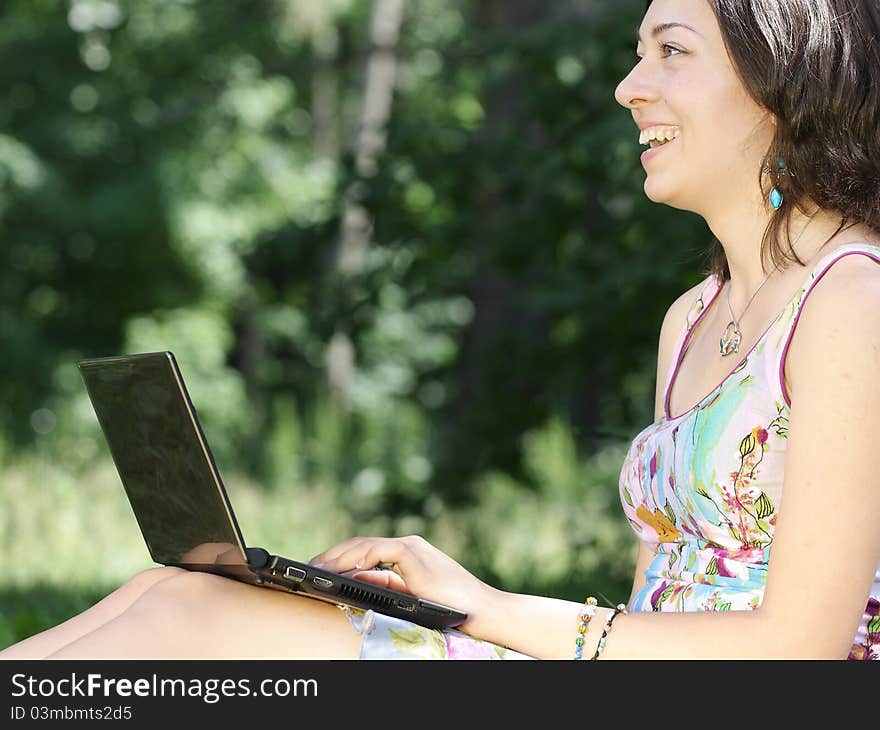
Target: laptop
(179, 500)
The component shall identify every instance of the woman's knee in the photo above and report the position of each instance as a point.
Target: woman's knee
(175, 602)
(145, 579)
(194, 607)
(146, 583)
(202, 599)
(135, 586)
(183, 589)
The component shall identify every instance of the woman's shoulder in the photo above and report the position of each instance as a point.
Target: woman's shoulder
(675, 321)
(681, 312)
(840, 310)
(677, 313)
(852, 265)
(847, 277)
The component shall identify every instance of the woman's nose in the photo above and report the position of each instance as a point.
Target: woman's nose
(636, 88)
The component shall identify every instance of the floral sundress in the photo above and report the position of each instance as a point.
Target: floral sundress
(387, 637)
(704, 488)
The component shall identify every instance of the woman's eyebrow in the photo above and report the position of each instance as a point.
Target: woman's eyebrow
(660, 27)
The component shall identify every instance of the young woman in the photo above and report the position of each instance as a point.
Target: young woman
(762, 118)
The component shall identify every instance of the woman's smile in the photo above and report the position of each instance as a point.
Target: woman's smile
(651, 153)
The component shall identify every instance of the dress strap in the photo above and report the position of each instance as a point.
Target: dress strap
(795, 307)
(707, 293)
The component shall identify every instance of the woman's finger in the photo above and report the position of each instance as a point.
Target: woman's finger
(382, 578)
(334, 552)
(397, 554)
(373, 551)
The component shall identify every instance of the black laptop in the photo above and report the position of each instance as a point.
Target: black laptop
(179, 500)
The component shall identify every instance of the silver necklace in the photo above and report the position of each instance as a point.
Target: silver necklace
(732, 335)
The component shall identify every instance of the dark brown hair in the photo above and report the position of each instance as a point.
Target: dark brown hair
(811, 63)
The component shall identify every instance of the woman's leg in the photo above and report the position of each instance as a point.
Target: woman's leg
(199, 615)
(108, 608)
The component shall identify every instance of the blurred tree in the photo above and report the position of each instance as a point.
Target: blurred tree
(174, 175)
(369, 143)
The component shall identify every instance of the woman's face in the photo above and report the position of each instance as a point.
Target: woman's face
(685, 82)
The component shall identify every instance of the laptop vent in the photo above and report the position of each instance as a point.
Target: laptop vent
(366, 596)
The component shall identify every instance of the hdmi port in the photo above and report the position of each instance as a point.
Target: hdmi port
(406, 606)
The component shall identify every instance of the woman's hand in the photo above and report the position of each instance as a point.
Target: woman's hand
(415, 567)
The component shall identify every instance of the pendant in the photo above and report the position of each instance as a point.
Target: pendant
(730, 341)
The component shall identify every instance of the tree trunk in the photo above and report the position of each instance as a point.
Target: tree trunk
(325, 90)
(368, 145)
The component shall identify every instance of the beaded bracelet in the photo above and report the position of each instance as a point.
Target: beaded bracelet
(620, 608)
(589, 611)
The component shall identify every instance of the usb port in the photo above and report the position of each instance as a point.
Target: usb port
(434, 608)
(406, 605)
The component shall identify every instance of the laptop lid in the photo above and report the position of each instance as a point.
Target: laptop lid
(179, 500)
(164, 462)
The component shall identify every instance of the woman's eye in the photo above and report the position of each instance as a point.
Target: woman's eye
(666, 49)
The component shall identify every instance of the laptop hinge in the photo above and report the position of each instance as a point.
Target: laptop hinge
(257, 557)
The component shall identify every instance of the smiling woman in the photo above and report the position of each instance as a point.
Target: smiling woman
(762, 118)
(807, 68)
(774, 117)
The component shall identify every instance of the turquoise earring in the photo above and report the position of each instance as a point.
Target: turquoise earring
(776, 194)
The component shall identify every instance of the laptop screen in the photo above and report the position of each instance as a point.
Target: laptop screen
(164, 462)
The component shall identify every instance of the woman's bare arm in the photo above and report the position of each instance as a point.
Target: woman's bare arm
(643, 560)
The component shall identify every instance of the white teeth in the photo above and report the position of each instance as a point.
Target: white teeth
(661, 134)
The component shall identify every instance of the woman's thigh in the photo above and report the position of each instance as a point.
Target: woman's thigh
(107, 609)
(201, 615)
